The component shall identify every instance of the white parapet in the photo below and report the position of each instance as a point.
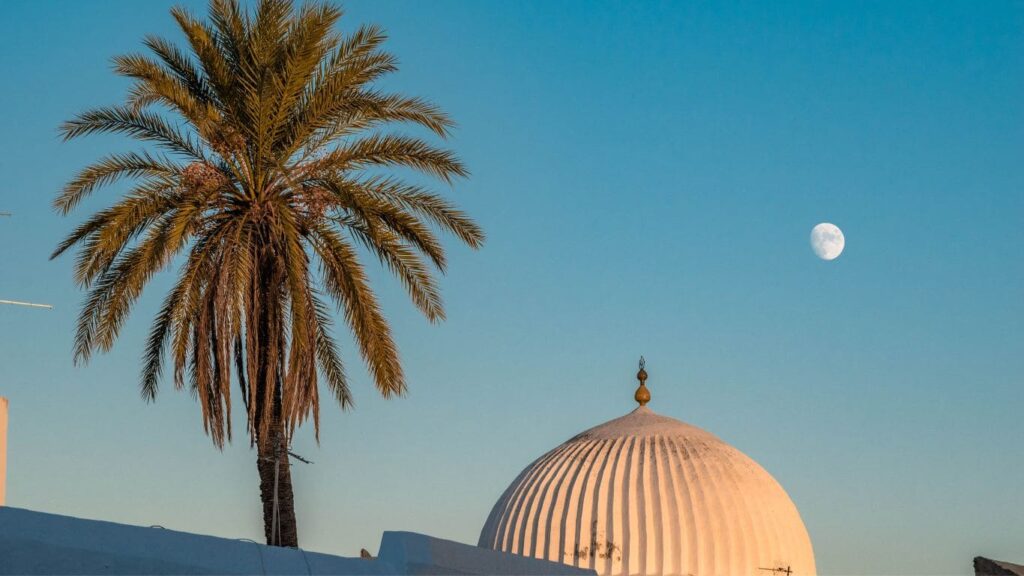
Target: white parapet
(39, 543)
(36, 543)
(420, 555)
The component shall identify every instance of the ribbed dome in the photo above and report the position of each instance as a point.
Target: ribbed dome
(648, 494)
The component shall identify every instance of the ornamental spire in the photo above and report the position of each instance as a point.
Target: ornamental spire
(642, 394)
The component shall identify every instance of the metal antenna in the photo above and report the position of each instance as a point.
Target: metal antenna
(19, 303)
(788, 570)
(29, 304)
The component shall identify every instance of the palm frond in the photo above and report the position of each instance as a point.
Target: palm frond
(393, 151)
(351, 200)
(347, 284)
(135, 123)
(421, 201)
(107, 171)
(404, 262)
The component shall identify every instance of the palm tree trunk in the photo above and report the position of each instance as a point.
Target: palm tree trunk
(276, 489)
(279, 524)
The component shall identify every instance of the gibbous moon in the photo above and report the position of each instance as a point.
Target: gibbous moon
(827, 241)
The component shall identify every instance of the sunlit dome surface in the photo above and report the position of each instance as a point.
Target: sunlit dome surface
(648, 494)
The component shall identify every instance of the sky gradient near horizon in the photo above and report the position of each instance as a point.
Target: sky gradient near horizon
(648, 175)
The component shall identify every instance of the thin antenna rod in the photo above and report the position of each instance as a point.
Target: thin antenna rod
(788, 570)
(29, 304)
(16, 302)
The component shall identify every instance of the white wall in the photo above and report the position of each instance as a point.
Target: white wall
(39, 543)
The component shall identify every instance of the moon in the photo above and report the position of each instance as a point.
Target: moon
(827, 241)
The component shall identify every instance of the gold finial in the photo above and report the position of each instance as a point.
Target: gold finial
(642, 395)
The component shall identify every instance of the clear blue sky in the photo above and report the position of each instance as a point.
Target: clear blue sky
(648, 175)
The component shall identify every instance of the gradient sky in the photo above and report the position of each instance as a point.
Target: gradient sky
(648, 175)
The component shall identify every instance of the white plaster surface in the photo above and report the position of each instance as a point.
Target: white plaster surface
(39, 543)
(648, 494)
(424, 555)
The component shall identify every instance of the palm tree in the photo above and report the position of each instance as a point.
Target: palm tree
(265, 180)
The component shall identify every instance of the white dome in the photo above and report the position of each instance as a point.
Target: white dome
(648, 494)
